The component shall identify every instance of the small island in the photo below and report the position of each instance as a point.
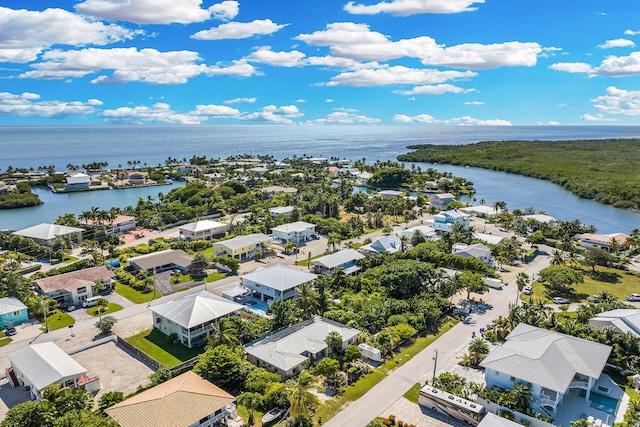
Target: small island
(603, 170)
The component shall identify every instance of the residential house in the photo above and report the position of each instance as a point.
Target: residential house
(390, 244)
(7, 187)
(286, 352)
(441, 200)
(191, 317)
(276, 283)
(45, 234)
(39, 365)
(76, 286)
(157, 262)
(492, 239)
(344, 260)
(624, 320)
(429, 233)
(554, 366)
(77, 181)
(281, 211)
(602, 241)
(187, 168)
(483, 211)
(136, 177)
(12, 312)
(242, 247)
(296, 232)
(119, 225)
(202, 230)
(389, 194)
(187, 400)
(542, 218)
(444, 221)
(275, 189)
(477, 251)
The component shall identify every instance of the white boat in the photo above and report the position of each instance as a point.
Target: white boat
(272, 415)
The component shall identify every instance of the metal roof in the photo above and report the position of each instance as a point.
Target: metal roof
(279, 277)
(11, 304)
(294, 227)
(242, 241)
(47, 231)
(157, 259)
(627, 320)
(338, 258)
(203, 225)
(197, 309)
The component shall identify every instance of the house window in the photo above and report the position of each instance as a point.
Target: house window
(16, 313)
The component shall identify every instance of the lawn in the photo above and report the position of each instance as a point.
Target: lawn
(4, 339)
(58, 320)
(413, 393)
(305, 262)
(358, 389)
(135, 296)
(111, 308)
(212, 277)
(157, 345)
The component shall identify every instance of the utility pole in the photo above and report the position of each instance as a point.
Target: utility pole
(46, 322)
(435, 364)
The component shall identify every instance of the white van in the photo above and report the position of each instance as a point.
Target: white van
(90, 302)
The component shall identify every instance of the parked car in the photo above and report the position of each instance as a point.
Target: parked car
(10, 332)
(593, 298)
(527, 290)
(560, 300)
(633, 297)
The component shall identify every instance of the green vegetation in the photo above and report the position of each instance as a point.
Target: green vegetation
(413, 393)
(305, 262)
(58, 320)
(111, 308)
(212, 277)
(21, 198)
(157, 345)
(135, 296)
(594, 169)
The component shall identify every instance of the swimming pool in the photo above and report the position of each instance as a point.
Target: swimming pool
(601, 402)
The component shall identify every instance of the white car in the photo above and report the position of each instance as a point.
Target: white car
(633, 297)
(560, 300)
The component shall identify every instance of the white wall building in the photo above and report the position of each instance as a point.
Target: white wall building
(202, 230)
(276, 283)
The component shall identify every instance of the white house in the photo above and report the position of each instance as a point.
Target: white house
(77, 181)
(390, 244)
(429, 233)
(276, 283)
(281, 211)
(441, 200)
(624, 320)
(242, 247)
(480, 210)
(191, 317)
(202, 230)
(157, 262)
(542, 218)
(444, 221)
(46, 234)
(296, 232)
(555, 367)
(344, 259)
(602, 241)
(477, 251)
(12, 312)
(76, 286)
(286, 352)
(120, 224)
(389, 194)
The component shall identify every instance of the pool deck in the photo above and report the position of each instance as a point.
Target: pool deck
(575, 407)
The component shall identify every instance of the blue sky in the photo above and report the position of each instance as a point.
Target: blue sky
(427, 62)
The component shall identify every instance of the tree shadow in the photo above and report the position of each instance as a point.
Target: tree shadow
(605, 276)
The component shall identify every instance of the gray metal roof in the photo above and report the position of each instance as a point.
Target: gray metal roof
(197, 309)
(294, 227)
(627, 320)
(47, 231)
(338, 258)
(203, 225)
(242, 241)
(279, 277)
(45, 363)
(547, 358)
(11, 304)
(157, 259)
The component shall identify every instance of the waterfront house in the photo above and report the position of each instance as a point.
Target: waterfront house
(39, 365)
(444, 221)
(276, 283)
(602, 241)
(12, 312)
(281, 211)
(389, 194)
(157, 262)
(288, 351)
(7, 187)
(390, 244)
(541, 218)
(202, 230)
(135, 177)
(242, 247)
(191, 318)
(187, 400)
(624, 320)
(441, 200)
(555, 367)
(187, 168)
(77, 181)
(483, 211)
(296, 232)
(344, 259)
(477, 251)
(46, 234)
(76, 286)
(119, 225)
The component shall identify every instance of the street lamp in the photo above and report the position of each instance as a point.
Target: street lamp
(46, 322)
(435, 364)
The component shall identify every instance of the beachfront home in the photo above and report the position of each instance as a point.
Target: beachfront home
(39, 365)
(276, 283)
(12, 312)
(187, 400)
(288, 351)
(624, 320)
(77, 181)
(119, 225)
(46, 234)
(429, 233)
(242, 247)
(602, 241)
(441, 200)
(76, 286)
(555, 367)
(389, 244)
(281, 211)
(477, 251)
(444, 221)
(344, 259)
(157, 262)
(296, 232)
(191, 318)
(202, 230)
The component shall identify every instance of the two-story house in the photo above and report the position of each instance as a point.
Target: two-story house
(76, 286)
(444, 221)
(276, 283)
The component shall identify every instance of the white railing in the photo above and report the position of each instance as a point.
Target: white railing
(538, 407)
(581, 384)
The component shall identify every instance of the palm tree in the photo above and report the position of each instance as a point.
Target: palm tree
(521, 281)
(251, 401)
(521, 396)
(557, 259)
(221, 333)
(307, 300)
(417, 238)
(301, 399)
(478, 349)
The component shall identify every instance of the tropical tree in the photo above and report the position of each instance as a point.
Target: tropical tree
(307, 300)
(224, 367)
(417, 237)
(199, 263)
(334, 341)
(301, 399)
(521, 396)
(105, 324)
(478, 350)
(223, 333)
(251, 401)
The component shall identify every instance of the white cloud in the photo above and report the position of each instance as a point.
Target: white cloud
(345, 117)
(299, 101)
(26, 34)
(420, 118)
(238, 100)
(550, 51)
(553, 123)
(617, 43)
(412, 7)
(477, 56)
(470, 121)
(29, 105)
(163, 113)
(215, 111)
(612, 66)
(474, 103)
(572, 67)
(632, 32)
(156, 11)
(129, 65)
(618, 102)
(433, 90)
(265, 55)
(274, 114)
(596, 118)
(396, 75)
(329, 100)
(239, 30)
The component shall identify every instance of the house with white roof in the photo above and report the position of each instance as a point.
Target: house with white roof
(477, 251)
(77, 181)
(276, 283)
(202, 230)
(390, 244)
(12, 312)
(286, 352)
(344, 259)
(191, 317)
(389, 194)
(39, 365)
(441, 200)
(623, 319)
(296, 232)
(556, 367)
(281, 210)
(602, 241)
(45, 234)
(492, 239)
(429, 233)
(242, 247)
(120, 224)
(157, 262)
(76, 286)
(444, 221)
(542, 218)
(480, 210)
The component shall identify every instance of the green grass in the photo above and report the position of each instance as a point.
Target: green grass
(212, 277)
(358, 389)
(156, 344)
(58, 320)
(135, 296)
(69, 259)
(185, 288)
(305, 262)
(5, 341)
(413, 393)
(244, 414)
(111, 308)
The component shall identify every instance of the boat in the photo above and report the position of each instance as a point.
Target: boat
(272, 415)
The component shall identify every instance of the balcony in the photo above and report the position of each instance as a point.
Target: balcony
(579, 384)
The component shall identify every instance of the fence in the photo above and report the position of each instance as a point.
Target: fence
(139, 354)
